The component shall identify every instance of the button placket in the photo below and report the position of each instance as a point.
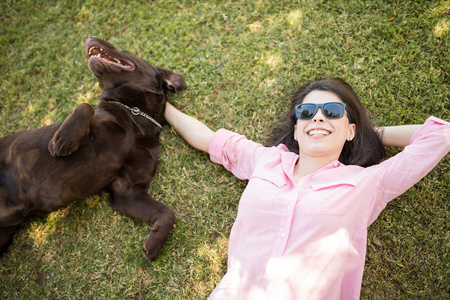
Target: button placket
(285, 226)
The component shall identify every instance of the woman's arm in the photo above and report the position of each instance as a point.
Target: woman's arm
(397, 136)
(426, 147)
(197, 134)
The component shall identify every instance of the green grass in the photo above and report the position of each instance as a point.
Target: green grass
(241, 60)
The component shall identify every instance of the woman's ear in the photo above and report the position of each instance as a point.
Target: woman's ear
(351, 132)
(295, 132)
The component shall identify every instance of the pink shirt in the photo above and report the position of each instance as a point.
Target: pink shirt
(307, 240)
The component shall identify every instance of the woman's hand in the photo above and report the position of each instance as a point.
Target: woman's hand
(197, 134)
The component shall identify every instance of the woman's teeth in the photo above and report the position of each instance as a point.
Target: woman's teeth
(318, 132)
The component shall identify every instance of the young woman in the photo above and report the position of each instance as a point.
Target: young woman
(301, 227)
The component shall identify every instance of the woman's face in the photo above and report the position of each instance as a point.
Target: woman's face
(319, 136)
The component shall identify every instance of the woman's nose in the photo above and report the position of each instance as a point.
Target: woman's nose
(319, 117)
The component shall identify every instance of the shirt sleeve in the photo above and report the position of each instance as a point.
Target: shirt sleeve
(235, 152)
(426, 148)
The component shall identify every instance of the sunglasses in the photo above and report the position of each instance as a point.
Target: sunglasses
(331, 110)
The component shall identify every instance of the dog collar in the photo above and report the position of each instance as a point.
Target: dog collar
(137, 112)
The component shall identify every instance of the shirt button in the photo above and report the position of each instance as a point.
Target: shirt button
(289, 208)
(283, 235)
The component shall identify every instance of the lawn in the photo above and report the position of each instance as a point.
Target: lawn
(241, 61)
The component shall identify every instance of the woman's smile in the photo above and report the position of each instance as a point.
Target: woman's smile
(318, 132)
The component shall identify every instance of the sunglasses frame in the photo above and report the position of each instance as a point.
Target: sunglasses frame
(321, 105)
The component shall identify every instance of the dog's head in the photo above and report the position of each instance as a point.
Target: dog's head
(124, 76)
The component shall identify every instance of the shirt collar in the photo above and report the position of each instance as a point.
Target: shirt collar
(289, 159)
(331, 165)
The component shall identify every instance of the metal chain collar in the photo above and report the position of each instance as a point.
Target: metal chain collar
(137, 112)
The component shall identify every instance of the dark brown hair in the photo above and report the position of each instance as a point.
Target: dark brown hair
(364, 150)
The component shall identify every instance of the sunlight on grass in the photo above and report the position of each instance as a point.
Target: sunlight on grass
(88, 97)
(268, 82)
(30, 109)
(441, 28)
(212, 255)
(49, 118)
(256, 27)
(47, 121)
(273, 60)
(39, 232)
(295, 18)
(440, 9)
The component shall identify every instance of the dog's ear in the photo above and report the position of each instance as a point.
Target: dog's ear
(172, 81)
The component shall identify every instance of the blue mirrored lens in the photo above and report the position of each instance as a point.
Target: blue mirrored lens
(333, 110)
(306, 111)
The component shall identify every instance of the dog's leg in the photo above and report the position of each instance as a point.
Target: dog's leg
(138, 204)
(12, 214)
(70, 135)
(6, 238)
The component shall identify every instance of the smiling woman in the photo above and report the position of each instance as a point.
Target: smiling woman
(301, 228)
(320, 134)
(365, 147)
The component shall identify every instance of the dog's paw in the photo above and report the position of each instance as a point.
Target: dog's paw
(153, 243)
(59, 146)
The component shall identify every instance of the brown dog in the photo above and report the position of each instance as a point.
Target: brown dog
(113, 148)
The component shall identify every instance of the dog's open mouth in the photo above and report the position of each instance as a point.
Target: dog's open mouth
(99, 52)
